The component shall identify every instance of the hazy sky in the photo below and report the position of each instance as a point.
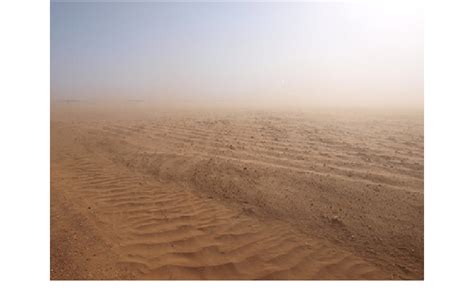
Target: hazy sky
(305, 53)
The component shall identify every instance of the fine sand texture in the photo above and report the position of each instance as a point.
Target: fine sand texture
(142, 191)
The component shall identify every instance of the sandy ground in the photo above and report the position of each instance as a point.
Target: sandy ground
(143, 192)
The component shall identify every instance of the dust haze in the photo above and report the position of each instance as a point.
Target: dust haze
(247, 54)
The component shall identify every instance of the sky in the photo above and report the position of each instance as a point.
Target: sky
(262, 53)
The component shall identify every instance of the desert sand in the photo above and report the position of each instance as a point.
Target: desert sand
(142, 191)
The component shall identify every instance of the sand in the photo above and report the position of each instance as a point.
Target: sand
(140, 191)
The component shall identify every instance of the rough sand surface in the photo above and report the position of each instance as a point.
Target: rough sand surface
(139, 192)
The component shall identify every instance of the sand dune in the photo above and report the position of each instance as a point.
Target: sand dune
(147, 193)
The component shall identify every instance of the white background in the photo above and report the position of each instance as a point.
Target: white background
(24, 156)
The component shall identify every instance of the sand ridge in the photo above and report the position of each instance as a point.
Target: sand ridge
(235, 195)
